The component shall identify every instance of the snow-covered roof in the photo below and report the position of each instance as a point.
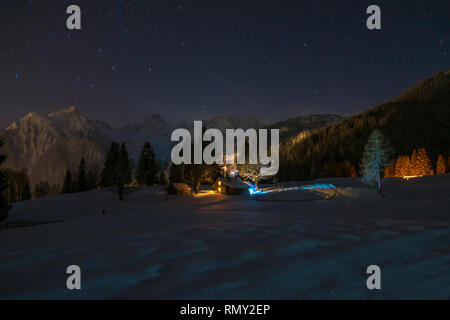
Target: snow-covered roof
(235, 183)
(181, 186)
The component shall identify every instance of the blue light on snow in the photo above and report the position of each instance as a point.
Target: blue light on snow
(318, 186)
(254, 191)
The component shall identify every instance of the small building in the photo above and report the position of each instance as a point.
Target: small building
(179, 188)
(230, 186)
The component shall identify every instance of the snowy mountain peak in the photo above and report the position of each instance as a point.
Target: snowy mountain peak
(69, 111)
(153, 123)
(32, 119)
(154, 117)
(31, 115)
(155, 120)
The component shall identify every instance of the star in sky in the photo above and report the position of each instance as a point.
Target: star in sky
(132, 58)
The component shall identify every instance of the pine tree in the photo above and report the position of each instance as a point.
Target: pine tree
(350, 170)
(441, 167)
(92, 178)
(81, 177)
(403, 167)
(147, 169)
(123, 173)
(42, 189)
(112, 158)
(68, 183)
(422, 164)
(17, 180)
(4, 204)
(162, 178)
(12, 193)
(117, 170)
(22, 185)
(26, 195)
(414, 167)
(375, 158)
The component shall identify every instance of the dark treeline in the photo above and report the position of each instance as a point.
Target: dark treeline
(292, 127)
(18, 185)
(43, 189)
(147, 168)
(419, 118)
(4, 203)
(117, 174)
(149, 171)
(117, 171)
(82, 180)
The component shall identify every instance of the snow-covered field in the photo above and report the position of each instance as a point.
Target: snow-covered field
(233, 247)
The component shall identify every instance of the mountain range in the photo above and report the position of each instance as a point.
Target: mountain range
(46, 146)
(313, 146)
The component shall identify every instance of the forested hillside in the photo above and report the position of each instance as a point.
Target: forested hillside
(291, 128)
(418, 118)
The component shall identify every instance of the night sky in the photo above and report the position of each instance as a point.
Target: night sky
(198, 59)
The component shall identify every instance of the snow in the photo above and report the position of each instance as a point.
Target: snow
(233, 247)
(290, 195)
(236, 183)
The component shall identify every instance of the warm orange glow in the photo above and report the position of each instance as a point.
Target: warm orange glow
(220, 183)
(411, 177)
(219, 190)
(204, 193)
(414, 166)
